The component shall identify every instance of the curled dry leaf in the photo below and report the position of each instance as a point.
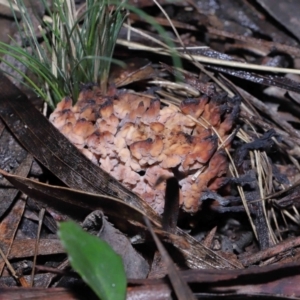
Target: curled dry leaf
(138, 140)
(95, 223)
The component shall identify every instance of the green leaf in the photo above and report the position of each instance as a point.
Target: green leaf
(95, 261)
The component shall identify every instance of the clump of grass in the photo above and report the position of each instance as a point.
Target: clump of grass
(77, 46)
(71, 47)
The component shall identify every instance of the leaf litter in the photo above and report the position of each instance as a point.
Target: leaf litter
(255, 172)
